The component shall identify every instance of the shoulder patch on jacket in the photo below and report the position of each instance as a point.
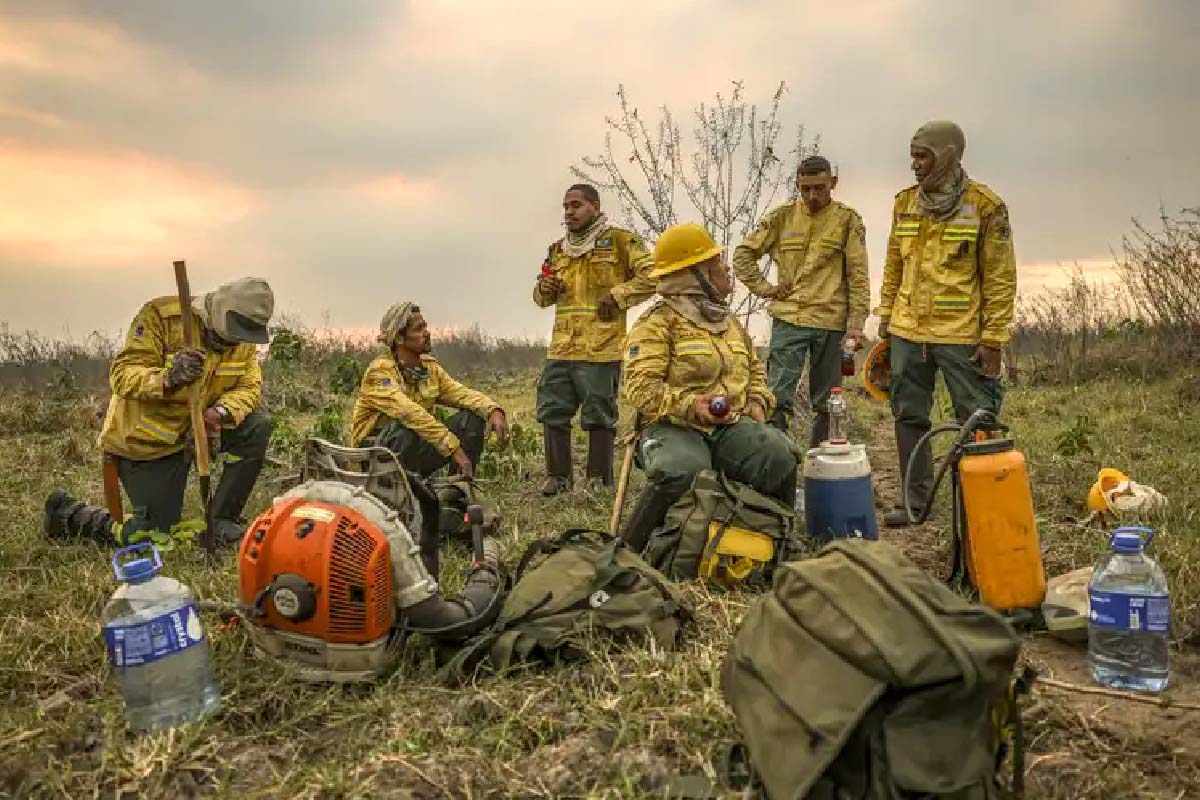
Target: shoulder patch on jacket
(992, 199)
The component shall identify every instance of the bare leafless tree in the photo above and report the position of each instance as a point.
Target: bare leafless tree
(730, 172)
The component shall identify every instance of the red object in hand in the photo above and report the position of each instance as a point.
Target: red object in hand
(848, 367)
(546, 271)
(718, 406)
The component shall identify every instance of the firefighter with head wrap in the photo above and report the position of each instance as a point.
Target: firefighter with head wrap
(682, 354)
(591, 276)
(949, 285)
(823, 292)
(397, 396)
(148, 428)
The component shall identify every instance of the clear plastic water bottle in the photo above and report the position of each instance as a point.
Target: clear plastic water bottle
(1130, 616)
(837, 416)
(156, 645)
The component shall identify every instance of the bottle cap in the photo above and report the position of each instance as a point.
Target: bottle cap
(136, 570)
(1130, 540)
(836, 390)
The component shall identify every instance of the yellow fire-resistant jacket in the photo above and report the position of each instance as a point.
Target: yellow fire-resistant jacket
(619, 265)
(950, 282)
(670, 360)
(822, 265)
(144, 422)
(385, 394)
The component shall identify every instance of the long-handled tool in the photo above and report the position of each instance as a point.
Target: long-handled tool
(112, 488)
(630, 441)
(196, 409)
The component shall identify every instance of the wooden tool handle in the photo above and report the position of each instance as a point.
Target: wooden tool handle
(195, 406)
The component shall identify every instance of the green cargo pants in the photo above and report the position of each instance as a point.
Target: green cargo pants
(589, 388)
(791, 346)
(419, 456)
(746, 451)
(156, 487)
(914, 369)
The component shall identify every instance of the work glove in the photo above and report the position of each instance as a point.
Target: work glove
(607, 308)
(186, 367)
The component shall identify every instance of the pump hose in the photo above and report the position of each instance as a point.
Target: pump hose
(925, 441)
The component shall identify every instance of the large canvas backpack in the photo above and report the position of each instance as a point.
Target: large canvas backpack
(859, 676)
(567, 591)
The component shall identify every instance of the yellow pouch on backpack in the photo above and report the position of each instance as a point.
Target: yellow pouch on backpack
(736, 554)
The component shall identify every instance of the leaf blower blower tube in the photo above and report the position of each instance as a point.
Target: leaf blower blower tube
(479, 603)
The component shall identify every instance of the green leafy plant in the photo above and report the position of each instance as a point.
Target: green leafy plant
(347, 376)
(1076, 439)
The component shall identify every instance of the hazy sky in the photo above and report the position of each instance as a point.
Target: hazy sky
(357, 153)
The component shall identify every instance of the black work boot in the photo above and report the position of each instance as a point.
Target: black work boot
(652, 506)
(69, 520)
(907, 437)
(558, 461)
(600, 455)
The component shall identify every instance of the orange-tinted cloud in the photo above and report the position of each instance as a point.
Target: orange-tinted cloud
(397, 189)
(102, 207)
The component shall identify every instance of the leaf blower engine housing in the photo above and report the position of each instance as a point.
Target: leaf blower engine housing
(332, 579)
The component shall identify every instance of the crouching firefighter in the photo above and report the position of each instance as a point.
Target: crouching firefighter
(692, 374)
(147, 430)
(395, 403)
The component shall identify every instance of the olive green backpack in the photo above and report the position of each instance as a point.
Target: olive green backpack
(679, 546)
(566, 591)
(859, 676)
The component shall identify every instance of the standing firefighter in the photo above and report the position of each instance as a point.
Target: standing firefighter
(147, 429)
(684, 352)
(823, 292)
(591, 276)
(398, 394)
(949, 286)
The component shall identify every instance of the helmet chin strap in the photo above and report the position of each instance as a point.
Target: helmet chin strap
(213, 341)
(710, 291)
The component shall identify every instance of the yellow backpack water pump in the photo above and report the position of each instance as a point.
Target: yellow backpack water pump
(995, 540)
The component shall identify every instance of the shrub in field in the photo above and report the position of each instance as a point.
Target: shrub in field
(347, 375)
(285, 345)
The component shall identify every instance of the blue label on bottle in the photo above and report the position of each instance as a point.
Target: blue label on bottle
(1130, 612)
(159, 637)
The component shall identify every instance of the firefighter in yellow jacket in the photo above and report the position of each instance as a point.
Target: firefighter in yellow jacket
(399, 390)
(148, 428)
(681, 355)
(949, 285)
(591, 276)
(823, 293)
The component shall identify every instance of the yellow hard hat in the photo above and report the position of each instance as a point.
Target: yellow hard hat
(682, 246)
(877, 370)
(1107, 480)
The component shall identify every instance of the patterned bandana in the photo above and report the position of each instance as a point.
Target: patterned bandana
(578, 245)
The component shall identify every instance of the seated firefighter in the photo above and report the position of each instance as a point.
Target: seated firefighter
(147, 430)
(397, 396)
(686, 351)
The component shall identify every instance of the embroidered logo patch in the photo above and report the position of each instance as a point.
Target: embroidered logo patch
(633, 351)
(386, 382)
(139, 330)
(604, 241)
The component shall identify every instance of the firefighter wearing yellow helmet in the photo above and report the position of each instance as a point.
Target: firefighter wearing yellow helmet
(949, 285)
(591, 276)
(692, 374)
(148, 429)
